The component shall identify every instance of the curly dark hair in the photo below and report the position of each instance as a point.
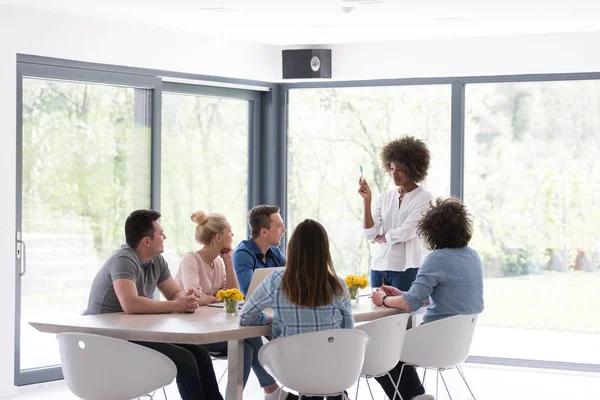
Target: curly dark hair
(446, 224)
(411, 152)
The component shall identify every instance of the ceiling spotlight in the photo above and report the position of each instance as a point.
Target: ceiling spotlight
(347, 9)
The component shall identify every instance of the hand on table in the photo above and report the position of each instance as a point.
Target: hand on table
(391, 290)
(377, 297)
(186, 303)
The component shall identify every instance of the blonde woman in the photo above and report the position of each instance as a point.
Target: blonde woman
(210, 269)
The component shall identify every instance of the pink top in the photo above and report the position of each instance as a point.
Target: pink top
(194, 274)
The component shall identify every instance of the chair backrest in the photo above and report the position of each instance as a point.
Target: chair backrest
(316, 363)
(387, 338)
(440, 344)
(103, 368)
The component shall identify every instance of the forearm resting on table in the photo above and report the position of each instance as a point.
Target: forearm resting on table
(253, 319)
(397, 302)
(205, 299)
(143, 305)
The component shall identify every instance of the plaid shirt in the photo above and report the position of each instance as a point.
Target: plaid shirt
(289, 318)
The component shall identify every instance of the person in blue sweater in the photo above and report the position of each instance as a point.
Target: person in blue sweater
(451, 279)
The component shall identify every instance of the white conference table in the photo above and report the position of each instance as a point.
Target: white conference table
(206, 325)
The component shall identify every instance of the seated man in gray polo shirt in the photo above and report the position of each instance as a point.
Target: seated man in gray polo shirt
(126, 283)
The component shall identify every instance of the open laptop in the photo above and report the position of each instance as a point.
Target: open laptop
(258, 276)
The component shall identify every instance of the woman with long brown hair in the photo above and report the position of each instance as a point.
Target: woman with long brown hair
(308, 296)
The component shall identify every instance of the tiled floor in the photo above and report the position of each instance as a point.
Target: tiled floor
(488, 383)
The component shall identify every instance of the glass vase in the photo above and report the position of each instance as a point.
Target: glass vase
(231, 308)
(353, 292)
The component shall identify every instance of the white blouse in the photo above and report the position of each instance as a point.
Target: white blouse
(404, 249)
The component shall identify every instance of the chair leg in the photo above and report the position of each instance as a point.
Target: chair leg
(446, 386)
(369, 386)
(424, 373)
(460, 371)
(357, 385)
(437, 381)
(222, 375)
(165, 393)
(397, 385)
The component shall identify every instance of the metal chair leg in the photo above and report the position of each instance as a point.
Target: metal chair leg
(397, 385)
(460, 371)
(446, 386)
(424, 373)
(165, 393)
(369, 386)
(437, 382)
(222, 375)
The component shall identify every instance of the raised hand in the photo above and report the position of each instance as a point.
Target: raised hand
(363, 189)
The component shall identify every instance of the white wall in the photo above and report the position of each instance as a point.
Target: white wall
(503, 55)
(46, 34)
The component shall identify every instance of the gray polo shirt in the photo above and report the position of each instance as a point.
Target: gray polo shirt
(125, 263)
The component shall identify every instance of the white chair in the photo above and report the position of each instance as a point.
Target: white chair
(383, 353)
(321, 363)
(440, 345)
(103, 368)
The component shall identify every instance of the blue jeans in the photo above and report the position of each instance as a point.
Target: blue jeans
(251, 348)
(398, 279)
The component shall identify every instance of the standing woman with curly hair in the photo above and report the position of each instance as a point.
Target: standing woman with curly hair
(392, 223)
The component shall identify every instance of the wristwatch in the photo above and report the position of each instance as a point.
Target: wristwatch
(383, 301)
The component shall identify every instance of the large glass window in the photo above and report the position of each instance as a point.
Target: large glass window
(332, 132)
(532, 182)
(204, 166)
(85, 166)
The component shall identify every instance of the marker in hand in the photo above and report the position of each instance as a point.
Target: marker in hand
(361, 172)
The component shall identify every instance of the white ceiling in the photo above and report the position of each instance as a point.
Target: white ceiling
(305, 22)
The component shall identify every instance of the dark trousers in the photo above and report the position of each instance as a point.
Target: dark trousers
(292, 396)
(410, 384)
(398, 279)
(195, 374)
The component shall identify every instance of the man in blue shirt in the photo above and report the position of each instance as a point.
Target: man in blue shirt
(260, 249)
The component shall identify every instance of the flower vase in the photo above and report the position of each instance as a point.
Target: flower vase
(231, 308)
(353, 294)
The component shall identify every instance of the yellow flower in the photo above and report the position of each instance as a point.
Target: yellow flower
(230, 294)
(356, 281)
